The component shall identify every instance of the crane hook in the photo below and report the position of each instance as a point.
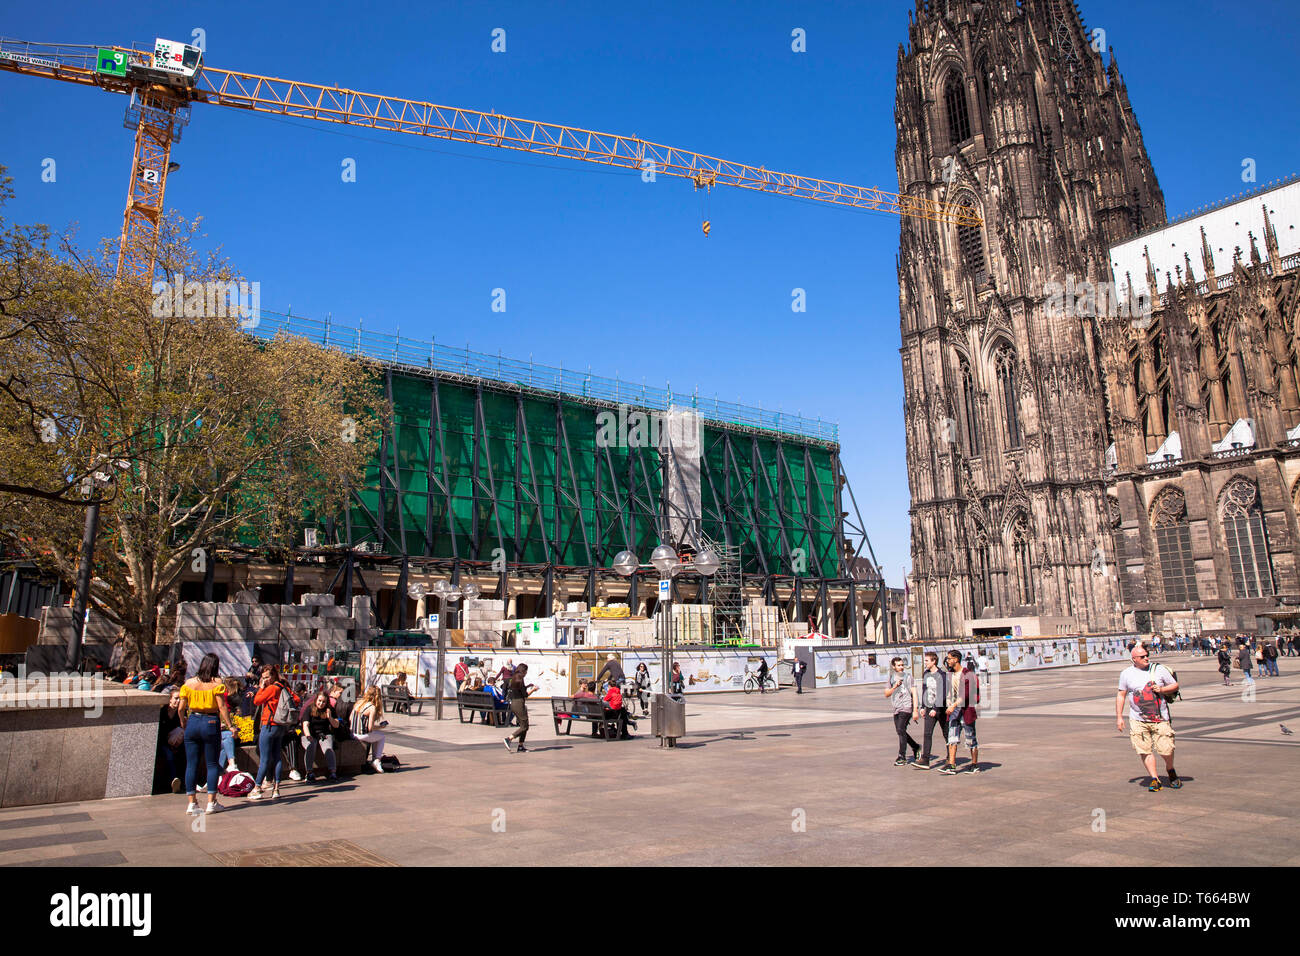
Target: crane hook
(707, 227)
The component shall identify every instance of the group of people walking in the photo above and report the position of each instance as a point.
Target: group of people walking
(204, 710)
(1248, 654)
(946, 697)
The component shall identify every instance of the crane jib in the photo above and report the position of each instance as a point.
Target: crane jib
(173, 75)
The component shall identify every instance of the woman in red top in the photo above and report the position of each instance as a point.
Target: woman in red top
(270, 738)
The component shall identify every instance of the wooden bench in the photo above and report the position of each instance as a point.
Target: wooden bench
(398, 700)
(481, 702)
(589, 709)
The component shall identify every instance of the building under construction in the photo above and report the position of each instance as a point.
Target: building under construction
(529, 479)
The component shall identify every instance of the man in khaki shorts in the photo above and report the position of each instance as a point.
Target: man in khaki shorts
(1146, 686)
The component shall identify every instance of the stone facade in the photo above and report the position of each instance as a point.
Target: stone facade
(1004, 106)
(1205, 475)
(1078, 457)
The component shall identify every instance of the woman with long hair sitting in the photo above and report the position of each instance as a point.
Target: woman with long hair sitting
(368, 725)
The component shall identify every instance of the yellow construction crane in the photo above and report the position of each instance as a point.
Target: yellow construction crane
(162, 84)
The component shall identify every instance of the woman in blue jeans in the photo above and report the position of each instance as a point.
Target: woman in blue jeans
(270, 739)
(203, 714)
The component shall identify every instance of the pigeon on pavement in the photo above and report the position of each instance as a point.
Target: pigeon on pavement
(1286, 730)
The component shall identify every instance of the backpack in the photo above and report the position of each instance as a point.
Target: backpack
(1178, 694)
(1149, 698)
(234, 783)
(285, 714)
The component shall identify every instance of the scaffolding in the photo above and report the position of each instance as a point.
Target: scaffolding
(493, 464)
(726, 592)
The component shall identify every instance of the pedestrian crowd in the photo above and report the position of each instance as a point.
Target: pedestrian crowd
(207, 717)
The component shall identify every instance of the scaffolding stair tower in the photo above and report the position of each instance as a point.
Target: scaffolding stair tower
(726, 593)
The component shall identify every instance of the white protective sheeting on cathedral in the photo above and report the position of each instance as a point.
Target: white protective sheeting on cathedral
(1241, 434)
(1172, 448)
(1226, 229)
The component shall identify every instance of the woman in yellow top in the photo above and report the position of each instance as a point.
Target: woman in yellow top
(203, 714)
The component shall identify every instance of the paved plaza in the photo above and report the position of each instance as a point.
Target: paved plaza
(774, 780)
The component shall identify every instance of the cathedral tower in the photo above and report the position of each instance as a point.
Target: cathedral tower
(1007, 107)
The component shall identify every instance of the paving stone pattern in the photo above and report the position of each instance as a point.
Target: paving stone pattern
(732, 792)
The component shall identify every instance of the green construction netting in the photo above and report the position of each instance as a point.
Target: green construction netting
(522, 481)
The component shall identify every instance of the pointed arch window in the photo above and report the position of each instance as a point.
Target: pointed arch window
(1116, 517)
(1004, 364)
(970, 244)
(954, 100)
(984, 75)
(1243, 526)
(1020, 546)
(1174, 546)
(970, 418)
(981, 577)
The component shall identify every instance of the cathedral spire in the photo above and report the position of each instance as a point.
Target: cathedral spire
(1270, 242)
(1207, 258)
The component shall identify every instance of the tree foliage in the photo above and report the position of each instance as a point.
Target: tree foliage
(189, 430)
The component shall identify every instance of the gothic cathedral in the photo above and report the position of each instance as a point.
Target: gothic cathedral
(1006, 107)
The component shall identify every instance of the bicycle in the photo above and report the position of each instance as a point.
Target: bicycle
(751, 682)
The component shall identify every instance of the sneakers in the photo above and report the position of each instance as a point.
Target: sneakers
(294, 775)
(1175, 781)
(213, 807)
(921, 765)
(916, 754)
(521, 749)
(176, 784)
(379, 767)
(976, 768)
(948, 768)
(1154, 786)
(311, 778)
(192, 808)
(255, 793)
(230, 767)
(333, 777)
(202, 788)
(510, 744)
(900, 762)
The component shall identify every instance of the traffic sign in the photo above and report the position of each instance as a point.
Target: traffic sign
(665, 584)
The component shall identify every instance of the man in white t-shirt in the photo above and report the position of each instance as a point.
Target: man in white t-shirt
(1145, 687)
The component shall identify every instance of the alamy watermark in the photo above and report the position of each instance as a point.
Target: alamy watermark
(680, 429)
(210, 299)
(49, 691)
(1079, 298)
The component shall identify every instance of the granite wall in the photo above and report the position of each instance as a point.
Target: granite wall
(63, 745)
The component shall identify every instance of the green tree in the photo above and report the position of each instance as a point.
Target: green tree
(190, 430)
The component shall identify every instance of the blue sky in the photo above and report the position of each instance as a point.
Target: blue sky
(600, 268)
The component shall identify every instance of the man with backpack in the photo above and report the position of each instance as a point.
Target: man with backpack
(963, 695)
(1148, 687)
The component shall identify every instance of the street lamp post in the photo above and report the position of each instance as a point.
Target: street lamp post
(446, 594)
(664, 560)
(81, 600)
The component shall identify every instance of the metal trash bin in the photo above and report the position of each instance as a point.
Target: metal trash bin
(668, 718)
